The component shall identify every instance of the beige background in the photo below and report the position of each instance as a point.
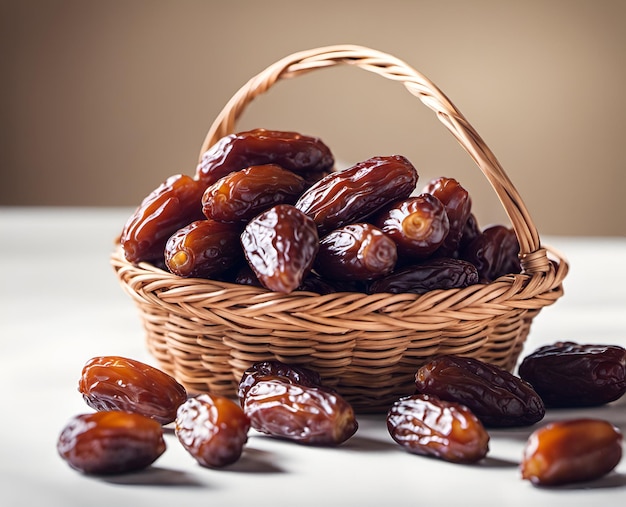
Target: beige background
(102, 100)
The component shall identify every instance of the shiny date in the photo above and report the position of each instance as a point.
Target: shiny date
(280, 246)
(351, 195)
(111, 442)
(497, 397)
(213, 429)
(119, 383)
(299, 413)
(446, 430)
(571, 451)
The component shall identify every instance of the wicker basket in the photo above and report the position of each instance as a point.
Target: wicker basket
(205, 332)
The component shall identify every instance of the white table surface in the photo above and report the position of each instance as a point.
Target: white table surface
(61, 304)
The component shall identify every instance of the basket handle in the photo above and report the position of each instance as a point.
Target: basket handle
(533, 257)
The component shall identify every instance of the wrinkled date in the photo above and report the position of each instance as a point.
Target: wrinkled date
(571, 451)
(203, 248)
(172, 205)
(429, 426)
(358, 251)
(497, 397)
(458, 208)
(241, 195)
(304, 155)
(213, 429)
(567, 374)
(276, 369)
(280, 246)
(418, 225)
(303, 414)
(353, 194)
(494, 252)
(111, 442)
(439, 273)
(118, 383)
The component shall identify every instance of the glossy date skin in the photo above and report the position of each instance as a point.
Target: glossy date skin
(172, 205)
(446, 430)
(358, 251)
(280, 246)
(498, 398)
(204, 248)
(241, 195)
(119, 383)
(276, 369)
(458, 206)
(568, 374)
(302, 414)
(494, 252)
(110, 442)
(213, 429)
(418, 225)
(438, 273)
(304, 155)
(571, 451)
(353, 194)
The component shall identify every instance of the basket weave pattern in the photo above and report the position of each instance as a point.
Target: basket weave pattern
(206, 333)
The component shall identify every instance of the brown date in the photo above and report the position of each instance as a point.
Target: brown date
(570, 451)
(494, 252)
(213, 429)
(204, 248)
(172, 205)
(241, 195)
(276, 369)
(303, 414)
(458, 208)
(305, 155)
(418, 225)
(498, 398)
(280, 246)
(359, 251)
(446, 430)
(353, 194)
(119, 383)
(432, 274)
(110, 442)
(568, 374)
(470, 231)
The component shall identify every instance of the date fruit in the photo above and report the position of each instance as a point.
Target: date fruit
(276, 369)
(110, 442)
(280, 246)
(304, 155)
(213, 429)
(351, 195)
(570, 451)
(204, 249)
(241, 195)
(172, 205)
(438, 273)
(498, 398)
(303, 414)
(119, 383)
(418, 225)
(446, 430)
(568, 374)
(359, 251)
(494, 252)
(458, 208)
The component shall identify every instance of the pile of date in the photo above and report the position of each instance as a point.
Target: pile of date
(266, 208)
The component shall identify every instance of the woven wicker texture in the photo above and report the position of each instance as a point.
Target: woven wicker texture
(205, 333)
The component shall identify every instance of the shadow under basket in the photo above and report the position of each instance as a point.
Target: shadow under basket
(205, 333)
